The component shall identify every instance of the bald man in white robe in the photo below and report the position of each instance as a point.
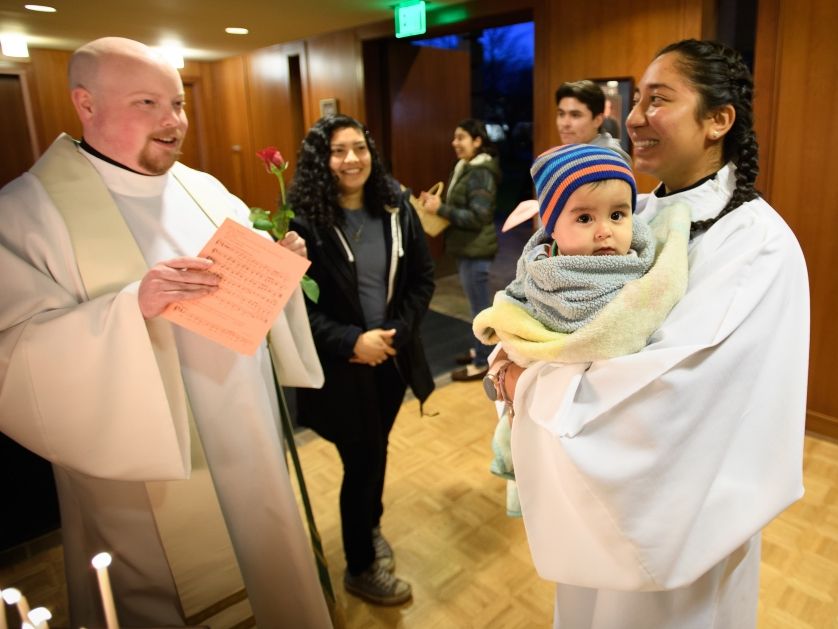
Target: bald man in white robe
(95, 241)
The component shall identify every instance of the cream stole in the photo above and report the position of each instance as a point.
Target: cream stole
(189, 519)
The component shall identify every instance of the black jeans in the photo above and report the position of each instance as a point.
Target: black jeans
(364, 457)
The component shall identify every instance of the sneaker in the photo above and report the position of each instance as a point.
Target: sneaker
(384, 557)
(385, 563)
(377, 586)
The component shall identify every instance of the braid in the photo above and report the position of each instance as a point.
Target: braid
(720, 77)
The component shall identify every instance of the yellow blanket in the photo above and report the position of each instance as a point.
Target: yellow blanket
(622, 327)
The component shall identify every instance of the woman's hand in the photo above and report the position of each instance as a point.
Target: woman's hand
(506, 384)
(510, 381)
(373, 347)
(295, 244)
(430, 202)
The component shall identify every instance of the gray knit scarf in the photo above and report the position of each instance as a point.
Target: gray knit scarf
(566, 292)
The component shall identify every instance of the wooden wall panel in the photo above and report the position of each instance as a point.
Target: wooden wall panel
(54, 112)
(273, 121)
(16, 151)
(231, 159)
(795, 85)
(335, 70)
(600, 38)
(200, 139)
(422, 127)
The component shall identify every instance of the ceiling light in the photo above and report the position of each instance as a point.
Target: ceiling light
(236, 30)
(39, 7)
(172, 53)
(14, 45)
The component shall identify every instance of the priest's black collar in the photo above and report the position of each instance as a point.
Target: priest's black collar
(661, 190)
(84, 145)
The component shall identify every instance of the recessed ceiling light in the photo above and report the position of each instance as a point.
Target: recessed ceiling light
(236, 30)
(173, 53)
(14, 45)
(39, 7)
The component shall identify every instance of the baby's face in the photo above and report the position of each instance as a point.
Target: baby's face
(596, 220)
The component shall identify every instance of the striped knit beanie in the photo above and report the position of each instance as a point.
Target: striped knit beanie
(560, 171)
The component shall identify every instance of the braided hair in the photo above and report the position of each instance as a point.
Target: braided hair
(314, 193)
(720, 77)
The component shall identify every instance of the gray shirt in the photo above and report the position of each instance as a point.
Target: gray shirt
(365, 235)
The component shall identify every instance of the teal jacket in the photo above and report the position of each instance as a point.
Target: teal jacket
(470, 206)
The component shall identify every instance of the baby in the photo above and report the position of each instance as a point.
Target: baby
(586, 198)
(592, 283)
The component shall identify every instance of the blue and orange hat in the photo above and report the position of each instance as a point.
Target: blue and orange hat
(560, 171)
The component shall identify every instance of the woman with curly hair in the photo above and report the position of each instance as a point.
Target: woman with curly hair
(369, 256)
(645, 480)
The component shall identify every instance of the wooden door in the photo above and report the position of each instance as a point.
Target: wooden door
(191, 148)
(33, 503)
(16, 154)
(429, 93)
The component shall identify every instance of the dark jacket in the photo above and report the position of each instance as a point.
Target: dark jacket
(470, 206)
(338, 319)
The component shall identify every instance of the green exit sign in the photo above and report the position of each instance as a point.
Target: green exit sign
(410, 18)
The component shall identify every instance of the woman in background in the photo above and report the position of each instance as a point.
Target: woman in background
(369, 256)
(471, 238)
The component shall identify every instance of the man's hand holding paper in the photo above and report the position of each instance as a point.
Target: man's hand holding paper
(255, 281)
(175, 280)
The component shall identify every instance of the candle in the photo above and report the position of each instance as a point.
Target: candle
(39, 616)
(14, 597)
(3, 624)
(101, 563)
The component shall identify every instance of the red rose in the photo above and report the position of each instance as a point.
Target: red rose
(271, 156)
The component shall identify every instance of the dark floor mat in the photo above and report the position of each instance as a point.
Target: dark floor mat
(444, 338)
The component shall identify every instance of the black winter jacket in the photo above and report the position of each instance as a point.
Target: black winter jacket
(338, 319)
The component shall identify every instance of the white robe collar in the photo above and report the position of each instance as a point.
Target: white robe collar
(123, 181)
(705, 201)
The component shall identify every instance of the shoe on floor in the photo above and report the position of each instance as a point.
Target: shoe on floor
(376, 585)
(385, 563)
(466, 374)
(384, 556)
(465, 359)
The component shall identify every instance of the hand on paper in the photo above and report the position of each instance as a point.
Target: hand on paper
(174, 280)
(430, 202)
(295, 244)
(373, 347)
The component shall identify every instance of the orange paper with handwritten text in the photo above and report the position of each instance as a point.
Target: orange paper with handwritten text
(257, 279)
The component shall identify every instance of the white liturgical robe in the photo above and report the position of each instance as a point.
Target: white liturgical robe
(645, 479)
(84, 385)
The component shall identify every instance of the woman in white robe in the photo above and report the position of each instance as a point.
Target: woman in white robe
(645, 479)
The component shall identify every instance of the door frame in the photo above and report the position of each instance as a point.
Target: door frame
(21, 74)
